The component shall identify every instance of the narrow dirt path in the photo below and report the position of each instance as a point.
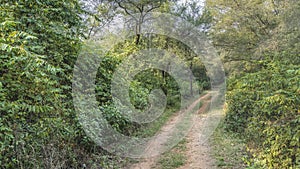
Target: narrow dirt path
(197, 153)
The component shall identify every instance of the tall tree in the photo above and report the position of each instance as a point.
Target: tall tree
(195, 13)
(241, 28)
(138, 11)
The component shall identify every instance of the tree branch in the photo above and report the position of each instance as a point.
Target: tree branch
(125, 9)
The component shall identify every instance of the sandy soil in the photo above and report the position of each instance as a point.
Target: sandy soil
(197, 150)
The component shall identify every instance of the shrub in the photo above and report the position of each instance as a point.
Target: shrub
(264, 107)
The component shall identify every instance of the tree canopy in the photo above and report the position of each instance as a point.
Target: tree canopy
(40, 42)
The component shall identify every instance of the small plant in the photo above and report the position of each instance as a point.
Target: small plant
(173, 158)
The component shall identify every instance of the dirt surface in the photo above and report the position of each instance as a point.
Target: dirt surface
(197, 150)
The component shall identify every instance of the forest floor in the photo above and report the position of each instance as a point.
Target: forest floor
(194, 152)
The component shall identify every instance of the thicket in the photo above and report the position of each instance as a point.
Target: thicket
(264, 108)
(259, 41)
(39, 44)
(144, 82)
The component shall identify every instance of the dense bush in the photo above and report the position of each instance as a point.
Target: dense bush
(140, 88)
(37, 50)
(264, 108)
(39, 44)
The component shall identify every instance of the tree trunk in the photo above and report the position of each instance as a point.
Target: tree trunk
(191, 79)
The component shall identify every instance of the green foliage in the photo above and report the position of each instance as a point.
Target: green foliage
(140, 88)
(228, 148)
(116, 119)
(143, 83)
(175, 157)
(259, 42)
(104, 77)
(39, 41)
(139, 95)
(39, 44)
(241, 27)
(172, 160)
(264, 108)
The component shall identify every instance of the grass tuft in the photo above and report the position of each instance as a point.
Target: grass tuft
(228, 149)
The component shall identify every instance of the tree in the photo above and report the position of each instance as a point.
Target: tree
(141, 8)
(241, 29)
(261, 37)
(97, 14)
(195, 13)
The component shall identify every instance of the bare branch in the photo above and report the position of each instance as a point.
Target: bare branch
(154, 7)
(125, 9)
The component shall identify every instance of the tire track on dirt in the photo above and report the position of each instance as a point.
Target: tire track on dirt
(156, 145)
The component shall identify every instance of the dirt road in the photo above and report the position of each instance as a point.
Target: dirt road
(198, 149)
